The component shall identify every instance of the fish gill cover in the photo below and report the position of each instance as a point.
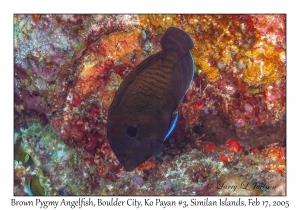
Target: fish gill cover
(68, 68)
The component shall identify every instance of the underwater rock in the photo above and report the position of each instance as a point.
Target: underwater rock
(232, 184)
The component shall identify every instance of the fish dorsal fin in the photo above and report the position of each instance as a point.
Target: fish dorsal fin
(172, 125)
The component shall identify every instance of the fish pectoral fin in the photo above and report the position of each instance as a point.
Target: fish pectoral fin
(172, 125)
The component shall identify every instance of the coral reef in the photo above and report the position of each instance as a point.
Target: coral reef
(231, 123)
(186, 171)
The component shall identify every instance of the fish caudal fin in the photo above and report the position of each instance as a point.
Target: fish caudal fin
(175, 39)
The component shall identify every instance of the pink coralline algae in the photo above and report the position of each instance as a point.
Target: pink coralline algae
(67, 69)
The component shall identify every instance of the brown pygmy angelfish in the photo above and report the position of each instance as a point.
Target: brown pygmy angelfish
(141, 116)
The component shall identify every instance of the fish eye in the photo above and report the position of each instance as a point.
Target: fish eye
(131, 130)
